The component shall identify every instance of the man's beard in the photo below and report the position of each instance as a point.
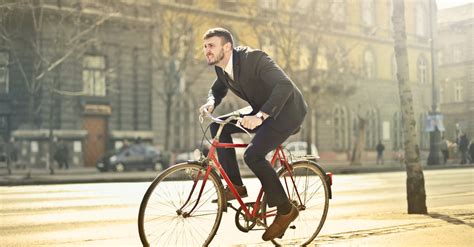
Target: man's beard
(219, 58)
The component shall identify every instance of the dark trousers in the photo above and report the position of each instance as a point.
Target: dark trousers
(265, 140)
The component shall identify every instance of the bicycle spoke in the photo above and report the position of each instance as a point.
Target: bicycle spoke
(308, 190)
(175, 213)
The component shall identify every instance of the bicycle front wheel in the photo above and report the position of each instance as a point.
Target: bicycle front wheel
(174, 211)
(310, 194)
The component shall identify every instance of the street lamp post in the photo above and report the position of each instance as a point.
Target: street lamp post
(434, 157)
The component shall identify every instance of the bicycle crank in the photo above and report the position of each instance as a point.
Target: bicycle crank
(244, 223)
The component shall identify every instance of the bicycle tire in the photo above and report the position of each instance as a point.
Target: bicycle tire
(160, 220)
(314, 193)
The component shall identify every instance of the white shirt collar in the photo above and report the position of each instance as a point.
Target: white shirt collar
(229, 68)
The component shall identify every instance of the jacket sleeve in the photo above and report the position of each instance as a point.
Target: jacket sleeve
(217, 92)
(282, 86)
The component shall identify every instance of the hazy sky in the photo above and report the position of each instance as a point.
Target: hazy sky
(442, 4)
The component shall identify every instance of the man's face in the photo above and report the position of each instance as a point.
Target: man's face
(214, 50)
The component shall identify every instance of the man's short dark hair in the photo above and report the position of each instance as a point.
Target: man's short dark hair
(220, 32)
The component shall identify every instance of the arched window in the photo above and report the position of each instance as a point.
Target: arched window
(341, 128)
(421, 20)
(369, 64)
(372, 129)
(422, 70)
(397, 131)
(368, 13)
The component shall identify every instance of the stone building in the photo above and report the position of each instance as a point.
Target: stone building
(456, 70)
(77, 71)
(138, 71)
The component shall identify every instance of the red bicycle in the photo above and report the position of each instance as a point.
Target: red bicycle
(184, 204)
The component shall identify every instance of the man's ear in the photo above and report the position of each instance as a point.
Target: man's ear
(228, 46)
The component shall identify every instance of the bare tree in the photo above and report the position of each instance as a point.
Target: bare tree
(416, 194)
(41, 37)
(296, 34)
(175, 59)
(26, 31)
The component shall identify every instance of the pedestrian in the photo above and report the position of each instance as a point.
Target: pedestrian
(471, 151)
(463, 145)
(62, 155)
(380, 148)
(278, 111)
(444, 150)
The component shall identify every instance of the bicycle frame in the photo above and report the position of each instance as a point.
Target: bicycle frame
(277, 155)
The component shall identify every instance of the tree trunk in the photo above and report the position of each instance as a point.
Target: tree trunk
(168, 105)
(359, 143)
(416, 195)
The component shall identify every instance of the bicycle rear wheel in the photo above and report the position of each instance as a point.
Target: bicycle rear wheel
(310, 195)
(167, 217)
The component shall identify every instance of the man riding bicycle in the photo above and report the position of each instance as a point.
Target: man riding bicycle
(278, 112)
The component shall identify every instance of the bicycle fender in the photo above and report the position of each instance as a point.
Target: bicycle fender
(326, 177)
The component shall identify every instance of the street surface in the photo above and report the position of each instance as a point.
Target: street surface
(106, 214)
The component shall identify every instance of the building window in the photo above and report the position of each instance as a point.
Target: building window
(421, 20)
(368, 13)
(93, 75)
(369, 64)
(422, 70)
(441, 93)
(4, 72)
(458, 92)
(341, 128)
(372, 129)
(457, 53)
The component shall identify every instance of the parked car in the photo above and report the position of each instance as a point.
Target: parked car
(299, 149)
(136, 156)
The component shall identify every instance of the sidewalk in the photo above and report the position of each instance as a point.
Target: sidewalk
(92, 175)
(443, 226)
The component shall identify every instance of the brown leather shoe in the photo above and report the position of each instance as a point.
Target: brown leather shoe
(230, 196)
(280, 224)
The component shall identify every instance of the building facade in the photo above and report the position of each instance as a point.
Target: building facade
(81, 74)
(138, 72)
(456, 69)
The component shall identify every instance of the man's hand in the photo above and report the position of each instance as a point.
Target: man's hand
(251, 122)
(209, 107)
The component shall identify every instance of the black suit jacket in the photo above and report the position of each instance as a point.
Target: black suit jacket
(263, 84)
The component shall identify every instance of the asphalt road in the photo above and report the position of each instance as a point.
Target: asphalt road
(106, 214)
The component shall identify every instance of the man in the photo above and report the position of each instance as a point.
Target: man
(463, 144)
(278, 112)
(380, 148)
(444, 150)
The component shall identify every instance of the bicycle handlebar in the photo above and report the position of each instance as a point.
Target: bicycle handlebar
(235, 115)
